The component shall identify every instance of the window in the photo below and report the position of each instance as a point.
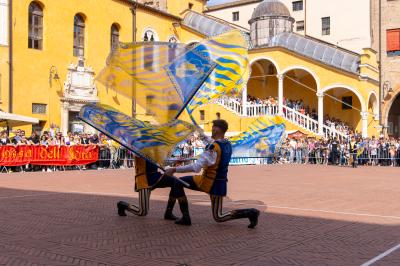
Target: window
(347, 102)
(35, 31)
(202, 115)
(300, 25)
(218, 115)
(39, 108)
(172, 39)
(235, 16)
(148, 36)
(114, 37)
(190, 6)
(393, 42)
(297, 5)
(79, 35)
(326, 26)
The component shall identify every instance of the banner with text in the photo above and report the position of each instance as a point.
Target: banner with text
(48, 155)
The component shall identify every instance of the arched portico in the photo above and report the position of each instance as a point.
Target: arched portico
(346, 103)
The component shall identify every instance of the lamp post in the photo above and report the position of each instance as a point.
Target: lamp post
(53, 74)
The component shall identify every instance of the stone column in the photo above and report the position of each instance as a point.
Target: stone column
(244, 101)
(320, 96)
(364, 117)
(64, 117)
(280, 94)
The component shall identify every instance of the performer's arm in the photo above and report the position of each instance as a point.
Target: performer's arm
(208, 158)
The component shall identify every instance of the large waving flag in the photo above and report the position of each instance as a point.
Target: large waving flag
(260, 139)
(230, 76)
(154, 143)
(163, 78)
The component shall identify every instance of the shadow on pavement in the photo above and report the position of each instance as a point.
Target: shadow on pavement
(81, 229)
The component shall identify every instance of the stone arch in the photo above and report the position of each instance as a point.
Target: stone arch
(300, 86)
(263, 81)
(266, 58)
(312, 73)
(357, 93)
(393, 103)
(356, 116)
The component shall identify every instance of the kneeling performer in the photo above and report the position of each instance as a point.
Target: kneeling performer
(214, 162)
(147, 178)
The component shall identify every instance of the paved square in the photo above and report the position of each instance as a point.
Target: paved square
(312, 215)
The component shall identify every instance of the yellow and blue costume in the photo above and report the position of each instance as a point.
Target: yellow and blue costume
(147, 178)
(214, 162)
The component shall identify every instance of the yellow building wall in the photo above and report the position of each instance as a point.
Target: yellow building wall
(4, 78)
(176, 7)
(146, 19)
(326, 77)
(31, 67)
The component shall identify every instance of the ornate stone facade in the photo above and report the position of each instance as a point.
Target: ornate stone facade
(79, 89)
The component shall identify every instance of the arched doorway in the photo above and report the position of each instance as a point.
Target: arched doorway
(299, 91)
(394, 118)
(263, 82)
(343, 106)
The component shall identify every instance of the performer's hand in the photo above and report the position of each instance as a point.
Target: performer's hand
(170, 171)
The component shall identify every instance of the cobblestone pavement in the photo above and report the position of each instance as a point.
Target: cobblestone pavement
(311, 215)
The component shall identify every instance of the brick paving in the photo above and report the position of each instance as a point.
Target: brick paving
(311, 215)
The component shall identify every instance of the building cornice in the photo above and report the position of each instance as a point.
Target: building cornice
(232, 4)
(152, 9)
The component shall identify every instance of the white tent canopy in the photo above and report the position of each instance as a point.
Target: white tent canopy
(14, 120)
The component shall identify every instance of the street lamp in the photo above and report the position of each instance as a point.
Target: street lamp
(53, 75)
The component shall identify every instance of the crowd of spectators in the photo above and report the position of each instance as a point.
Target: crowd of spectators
(370, 151)
(299, 106)
(375, 151)
(111, 154)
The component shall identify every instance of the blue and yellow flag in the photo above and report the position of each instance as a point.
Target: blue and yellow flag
(161, 77)
(260, 139)
(154, 143)
(230, 76)
(164, 78)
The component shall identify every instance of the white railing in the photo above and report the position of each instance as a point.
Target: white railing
(300, 119)
(310, 124)
(231, 104)
(261, 109)
(295, 117)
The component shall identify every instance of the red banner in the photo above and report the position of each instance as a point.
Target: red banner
(48, 155)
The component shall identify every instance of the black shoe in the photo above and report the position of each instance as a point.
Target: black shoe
(185, 220)
(253, 217)
(122, 206)
(170, 216)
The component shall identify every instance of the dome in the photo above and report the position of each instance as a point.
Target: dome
(270, 8)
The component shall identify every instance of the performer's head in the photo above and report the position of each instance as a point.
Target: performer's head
(219, 129)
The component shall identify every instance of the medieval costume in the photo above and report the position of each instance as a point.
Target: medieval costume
(148, 178)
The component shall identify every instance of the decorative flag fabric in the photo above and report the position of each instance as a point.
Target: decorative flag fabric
(164, 77)
(154, 143)
(230, 76)
(361, 147)
(260, 139)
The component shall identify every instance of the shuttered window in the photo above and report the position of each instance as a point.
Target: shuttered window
(393, 40)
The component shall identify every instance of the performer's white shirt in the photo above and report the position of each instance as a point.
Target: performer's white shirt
(207, 158)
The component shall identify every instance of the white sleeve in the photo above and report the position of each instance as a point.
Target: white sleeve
(208, 158)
